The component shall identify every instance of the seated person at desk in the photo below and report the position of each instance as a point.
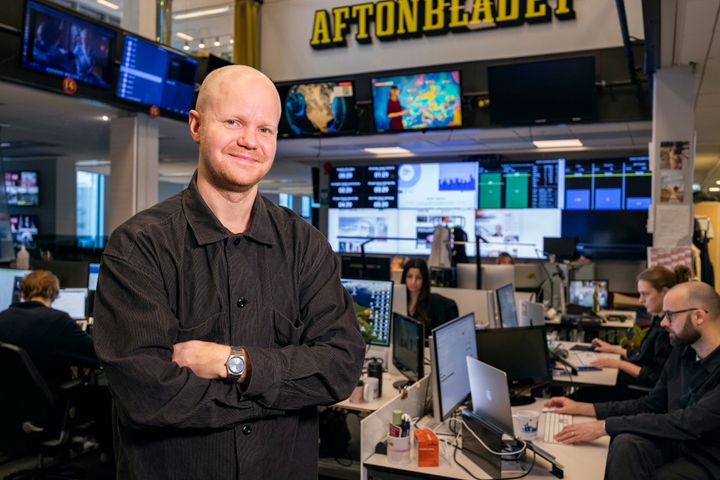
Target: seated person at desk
(504, 258)
(52, 339)
(644, 365)
(430, 308)
(674, 431)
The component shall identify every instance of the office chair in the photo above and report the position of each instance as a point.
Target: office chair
(30, 415)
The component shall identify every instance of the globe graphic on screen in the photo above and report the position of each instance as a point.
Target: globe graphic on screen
(315, 108)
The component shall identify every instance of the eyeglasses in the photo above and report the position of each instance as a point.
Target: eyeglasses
(669, 314)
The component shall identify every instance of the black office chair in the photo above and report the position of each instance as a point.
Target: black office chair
(32, 419)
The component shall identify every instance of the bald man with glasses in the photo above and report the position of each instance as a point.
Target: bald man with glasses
(674, 431)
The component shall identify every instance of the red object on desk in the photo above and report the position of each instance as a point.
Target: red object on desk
(427, 444)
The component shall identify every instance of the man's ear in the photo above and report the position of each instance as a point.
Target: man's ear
(194, 122)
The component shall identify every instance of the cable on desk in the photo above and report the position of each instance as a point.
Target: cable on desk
(525, 474)
(500, 454)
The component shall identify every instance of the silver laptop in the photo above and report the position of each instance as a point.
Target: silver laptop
(531, 314)
(490, 395)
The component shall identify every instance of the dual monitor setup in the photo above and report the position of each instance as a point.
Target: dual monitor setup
(77, 302)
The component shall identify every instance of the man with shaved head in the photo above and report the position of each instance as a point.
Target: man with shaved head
(674, 431)
(220, 317)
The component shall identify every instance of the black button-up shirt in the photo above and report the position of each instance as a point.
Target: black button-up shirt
(173, 273)
(683, 408)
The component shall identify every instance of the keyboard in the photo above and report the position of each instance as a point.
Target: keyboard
(554, 422)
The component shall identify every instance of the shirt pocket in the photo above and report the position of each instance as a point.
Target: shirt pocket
(206, 329)
(287, 332)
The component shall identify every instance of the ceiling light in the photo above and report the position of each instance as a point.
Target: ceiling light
(5, 144)
(185, 36)
(201, 44)
(109, 5)
(388, 151)
(232, 41)
(203, 12)
(186, 47)
(105, 118)
(567, 143)
(714, 189)
(717, 182)
(217, 41)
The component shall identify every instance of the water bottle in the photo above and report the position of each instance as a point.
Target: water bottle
(375, 369)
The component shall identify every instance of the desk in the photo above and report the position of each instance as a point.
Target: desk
(388, 394)
(605, 377)
(581, 462)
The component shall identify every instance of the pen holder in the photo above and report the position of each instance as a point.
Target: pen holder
(398, 450)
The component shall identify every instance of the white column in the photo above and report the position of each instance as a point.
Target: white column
(133, 168)
(673, 121)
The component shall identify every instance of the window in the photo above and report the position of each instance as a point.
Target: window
(90, 220)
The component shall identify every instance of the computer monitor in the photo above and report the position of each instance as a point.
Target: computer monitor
(450, 344)
(582, 292)
(495, 276)
(373, 303)
(10, 280)
(72, 301)
(561, 247)
(408, 347)
(531, 314)
(506, 306)
(93, 272)
(520, 352)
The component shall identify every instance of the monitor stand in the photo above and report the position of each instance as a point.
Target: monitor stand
(517, 399)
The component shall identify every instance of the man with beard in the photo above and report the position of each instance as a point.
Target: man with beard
(674, 431)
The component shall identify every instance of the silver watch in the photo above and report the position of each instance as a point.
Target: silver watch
(235, 364)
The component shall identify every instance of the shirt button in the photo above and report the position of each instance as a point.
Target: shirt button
(242, 302)
(247, 429)
(236, 242)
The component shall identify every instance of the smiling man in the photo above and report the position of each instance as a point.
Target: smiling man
(674, 431)
(220, 317)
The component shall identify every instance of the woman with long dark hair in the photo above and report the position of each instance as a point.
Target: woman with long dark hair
(430, 308)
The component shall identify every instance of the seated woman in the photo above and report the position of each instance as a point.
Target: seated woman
(52, 339)
(642, 366)
(430, 308)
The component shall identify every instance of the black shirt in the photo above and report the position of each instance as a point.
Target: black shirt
(684, 407)
(52, 340)
(652, 354)
(173, 273)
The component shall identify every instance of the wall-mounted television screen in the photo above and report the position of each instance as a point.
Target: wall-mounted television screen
(22, 188)
(323, 108)
(549, 91)
(154, 75)
(24, 228)
(420, 101)
(63, 44)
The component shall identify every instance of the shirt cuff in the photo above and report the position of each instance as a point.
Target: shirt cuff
(601, 410)
(264, 375)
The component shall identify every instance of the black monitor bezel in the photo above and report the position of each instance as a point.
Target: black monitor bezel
(501, 313)
(515, 383)
(419, 372)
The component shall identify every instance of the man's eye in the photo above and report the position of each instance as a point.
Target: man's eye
(232, 123)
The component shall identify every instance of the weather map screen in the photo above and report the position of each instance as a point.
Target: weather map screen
(373, 305)
(421, 101)
(317, 109)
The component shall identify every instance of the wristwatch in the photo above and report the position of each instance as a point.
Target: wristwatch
(235, 364)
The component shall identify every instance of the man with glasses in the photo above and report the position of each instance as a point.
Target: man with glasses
(674, 431)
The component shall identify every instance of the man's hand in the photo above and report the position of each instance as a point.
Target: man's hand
(581, 432)
(570, 407)
(603, 346)
(205, 359)
(607, 363)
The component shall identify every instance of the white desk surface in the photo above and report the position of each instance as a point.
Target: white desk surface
(388, 394)
(628, 323)
(580, 462)
(606, 376)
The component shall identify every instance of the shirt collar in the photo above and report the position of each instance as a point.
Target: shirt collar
(712, 361)
(208, 229)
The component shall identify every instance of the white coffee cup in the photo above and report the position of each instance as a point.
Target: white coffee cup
(526, 424)
(371, 390)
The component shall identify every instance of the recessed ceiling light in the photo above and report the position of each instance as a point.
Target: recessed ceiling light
(185, 36)
(203, 12)
(232, 41)
(216, 42)
(567, 143)
(109, 5)
(714, 189)
(105, 118)
(388, 151)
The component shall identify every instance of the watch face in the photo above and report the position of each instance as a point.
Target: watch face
(236, 365)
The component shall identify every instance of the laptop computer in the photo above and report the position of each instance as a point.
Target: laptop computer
(490, 396)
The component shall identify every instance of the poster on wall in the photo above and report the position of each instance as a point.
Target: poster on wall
(672, 186)
(674, 155)
(669, 257)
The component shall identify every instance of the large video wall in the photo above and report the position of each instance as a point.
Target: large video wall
(511, 205)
